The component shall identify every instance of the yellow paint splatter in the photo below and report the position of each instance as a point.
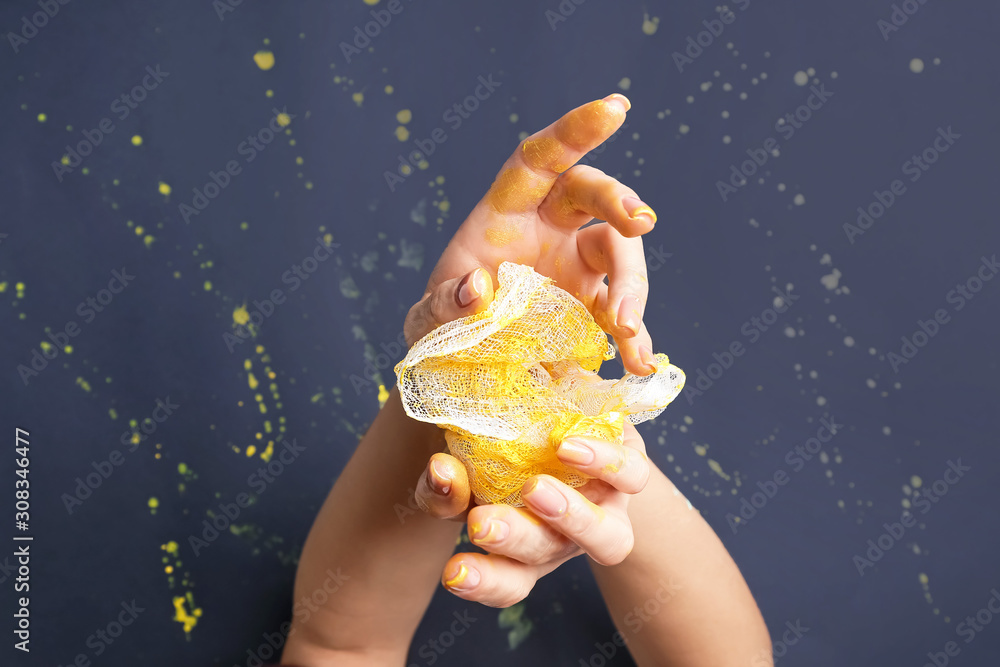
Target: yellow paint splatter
(389, 90)
(251, 450)
(383, 395)
(164, 189)
(358, 98)
(717, 469)
(153, 504)
(283, 119)
(264, 60)
(252, 381)
(83, 384)
(208, 285)
(371, 2)
(136, 140)
(268, 451)
(404, 116)
(181, 614)
(649, 25)
(42, 118)
(402, 133)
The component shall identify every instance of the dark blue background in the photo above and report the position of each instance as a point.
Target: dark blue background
(162, 336)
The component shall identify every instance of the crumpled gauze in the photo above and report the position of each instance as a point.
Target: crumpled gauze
(513, 381)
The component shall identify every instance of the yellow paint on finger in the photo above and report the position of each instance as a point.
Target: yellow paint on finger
(589, 124)
(544, 153)
(517, 189)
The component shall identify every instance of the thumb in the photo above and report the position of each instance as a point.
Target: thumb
(447, 301)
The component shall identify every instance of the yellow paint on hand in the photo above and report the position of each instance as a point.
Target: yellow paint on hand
(503, 233)
(517, 189)
(163, 188)
(136, 140)
(544, 153)
(404, 116)
(264, 60)
(585, 125)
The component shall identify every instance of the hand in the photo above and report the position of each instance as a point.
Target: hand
(532, 215)
(557, 523)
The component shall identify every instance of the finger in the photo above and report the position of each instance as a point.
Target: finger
(584, 192)
(495, 581)
(636, 352)
(605, 532)
(443, 489)
(447, 301)
(518, 534)
(604, 250)
(621, 466)
(526, 177)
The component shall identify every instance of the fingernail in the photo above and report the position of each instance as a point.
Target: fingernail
(647, 357)
(461, 578)
(439, 482)
(546, 499)
(635, 207)
(575, 452)
(620, 98)
(628, 314)
(492, 532)
(471, 288)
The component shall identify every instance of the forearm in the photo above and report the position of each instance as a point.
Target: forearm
(678, 599)
(390, 556)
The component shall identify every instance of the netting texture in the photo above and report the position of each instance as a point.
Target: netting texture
(513, 381)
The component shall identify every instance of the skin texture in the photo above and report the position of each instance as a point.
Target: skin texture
(634, 527)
